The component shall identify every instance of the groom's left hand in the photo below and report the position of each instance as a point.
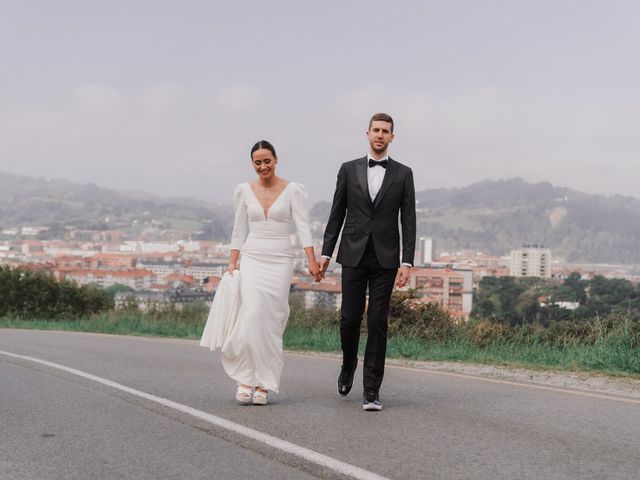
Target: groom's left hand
(403, 276)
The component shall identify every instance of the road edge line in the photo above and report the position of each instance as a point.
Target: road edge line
(271, 441)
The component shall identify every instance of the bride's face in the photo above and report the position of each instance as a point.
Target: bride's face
(264, 163)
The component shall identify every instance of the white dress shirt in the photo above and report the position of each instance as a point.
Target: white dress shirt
(375, 176)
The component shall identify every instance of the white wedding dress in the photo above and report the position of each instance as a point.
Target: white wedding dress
(252, 351)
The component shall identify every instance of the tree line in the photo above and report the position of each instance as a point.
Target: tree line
(528, 300)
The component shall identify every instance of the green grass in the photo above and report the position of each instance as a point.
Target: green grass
(321, 339)
(620, 359)
(612, 355)
(119, 324)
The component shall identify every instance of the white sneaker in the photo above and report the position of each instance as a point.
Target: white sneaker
(371, 401)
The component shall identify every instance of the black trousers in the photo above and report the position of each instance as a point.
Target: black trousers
(355, 282)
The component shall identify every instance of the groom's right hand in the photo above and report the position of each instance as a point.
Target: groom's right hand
(324, 264)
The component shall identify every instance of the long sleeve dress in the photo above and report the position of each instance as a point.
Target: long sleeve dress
(253, 352)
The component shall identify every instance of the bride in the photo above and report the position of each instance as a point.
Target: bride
(266, 211)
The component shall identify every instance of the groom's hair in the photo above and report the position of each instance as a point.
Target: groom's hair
(263, 144)
(384, 117)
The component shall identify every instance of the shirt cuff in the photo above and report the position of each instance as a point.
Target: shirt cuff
(325, 256)
(407, 264)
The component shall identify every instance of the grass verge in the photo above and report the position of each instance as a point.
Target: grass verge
(120, 324)
(612, 356)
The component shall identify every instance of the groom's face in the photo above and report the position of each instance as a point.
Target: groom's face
(379, 136)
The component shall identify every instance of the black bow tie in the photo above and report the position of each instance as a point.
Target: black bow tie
(374, 163)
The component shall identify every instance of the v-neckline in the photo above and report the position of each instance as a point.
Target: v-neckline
(265, 211)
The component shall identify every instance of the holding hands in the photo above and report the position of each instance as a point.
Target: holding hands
(313, 267)
(314, 270)
(324, 264)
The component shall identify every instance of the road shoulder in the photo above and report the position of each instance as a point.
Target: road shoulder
(593, 382)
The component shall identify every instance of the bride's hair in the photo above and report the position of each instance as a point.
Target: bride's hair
(263, 144)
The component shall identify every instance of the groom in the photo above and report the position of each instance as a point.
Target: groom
(370, 192)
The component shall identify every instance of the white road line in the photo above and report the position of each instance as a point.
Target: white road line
(288, 447)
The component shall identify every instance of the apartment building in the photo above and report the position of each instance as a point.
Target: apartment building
(200, 271)
(530, 261)
(112, 261)
(425, 251)
(136, 279)
(159, 268)
(325, 295)
(452, 289)
(178, 298)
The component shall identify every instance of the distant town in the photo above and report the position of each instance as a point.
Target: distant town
(183, 271)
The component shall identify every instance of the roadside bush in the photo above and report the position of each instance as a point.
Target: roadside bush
(194, 313)
(28, 294)
(411, 318)
(616, 323)
(483, 332)
(568, 332)
(316, 317)
(439, 324)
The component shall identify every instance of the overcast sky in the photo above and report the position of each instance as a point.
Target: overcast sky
(169, 96)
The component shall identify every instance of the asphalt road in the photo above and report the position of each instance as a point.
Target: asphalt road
(59, 424)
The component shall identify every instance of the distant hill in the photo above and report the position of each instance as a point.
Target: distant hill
(60, 203)
(496, 216)
(493, 216)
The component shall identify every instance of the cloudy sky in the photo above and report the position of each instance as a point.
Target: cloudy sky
(169, 96)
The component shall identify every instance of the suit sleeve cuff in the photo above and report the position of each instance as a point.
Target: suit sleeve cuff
(325, 256)
(407, 264)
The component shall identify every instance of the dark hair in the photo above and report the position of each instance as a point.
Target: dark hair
(384, 117)
(263, 144)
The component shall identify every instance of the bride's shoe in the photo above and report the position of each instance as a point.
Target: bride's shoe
(259, 397)
(243, 393)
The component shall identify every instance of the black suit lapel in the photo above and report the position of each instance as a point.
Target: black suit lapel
(361, 174)
(389, 176)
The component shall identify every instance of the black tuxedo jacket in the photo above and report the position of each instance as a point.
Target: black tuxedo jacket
(377, 219)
